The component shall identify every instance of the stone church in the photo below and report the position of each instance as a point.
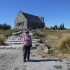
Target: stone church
(28, 21)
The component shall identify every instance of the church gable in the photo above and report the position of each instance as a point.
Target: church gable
(20, 20)
(25, 21)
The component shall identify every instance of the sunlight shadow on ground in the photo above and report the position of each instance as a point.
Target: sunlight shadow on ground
(42, 60)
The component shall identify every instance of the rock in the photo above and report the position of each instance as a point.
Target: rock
(4, 47)
(34, 46)
(46, 50)
(40, 41)
(37, 40)
(41, 46)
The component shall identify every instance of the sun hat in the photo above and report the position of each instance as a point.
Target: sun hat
(27, 31)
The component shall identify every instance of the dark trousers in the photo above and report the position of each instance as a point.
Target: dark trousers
(26, 51)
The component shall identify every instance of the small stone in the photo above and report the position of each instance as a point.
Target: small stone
(47, 50)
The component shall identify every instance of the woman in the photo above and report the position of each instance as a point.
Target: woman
(27, 45)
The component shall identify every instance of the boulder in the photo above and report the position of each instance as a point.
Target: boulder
(34, 46)
(46, 50)
(40, 41)
(41, 46)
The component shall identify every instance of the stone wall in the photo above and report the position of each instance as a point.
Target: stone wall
(35, 25)
(20, 18)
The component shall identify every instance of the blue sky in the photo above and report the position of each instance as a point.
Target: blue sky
(55, 12)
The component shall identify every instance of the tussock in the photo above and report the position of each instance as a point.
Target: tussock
(64, 43)
(2, 38)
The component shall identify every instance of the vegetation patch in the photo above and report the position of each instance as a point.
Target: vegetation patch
(42, 48)
(59, 41)
(60, 59)
(33, 55)
(8, 32)
(32, 48)
(38, 35)
(58, 67)
(68, 64)
(4, 66)
(46, 28)
(24, 67)
(16, 68)
(5, 33)
(64, 45)
(2, 39)
(54, 54)
(43, 56)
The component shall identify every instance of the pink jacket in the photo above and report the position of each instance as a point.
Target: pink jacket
(27, 40)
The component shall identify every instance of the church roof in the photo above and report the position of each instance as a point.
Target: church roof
(32, 17)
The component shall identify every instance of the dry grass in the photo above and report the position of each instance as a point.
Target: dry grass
(54, 54)
(43, 54)
(51, 40)
(54, 38)
(46, 28)
(58, 67)
(2, 38)
(64, 44)
(5, 33)
(16, 68)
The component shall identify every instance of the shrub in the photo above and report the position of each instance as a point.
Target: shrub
(15, 30)
(5, 26)
(2, 38)
(47, 28)
(9, 32)
(38, 35)
(58, 67)
(64, 44)
(35, 36)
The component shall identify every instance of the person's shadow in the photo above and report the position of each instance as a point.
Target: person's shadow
(42, 60)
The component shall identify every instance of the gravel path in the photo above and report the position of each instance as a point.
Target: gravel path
(13, 60)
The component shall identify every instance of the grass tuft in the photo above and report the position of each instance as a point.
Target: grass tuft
(58, 67)
(2, 38)
(64, 44)
(16, 68)
(46, 28)
(5, 33)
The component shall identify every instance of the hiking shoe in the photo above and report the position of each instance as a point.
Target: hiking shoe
(28, 60)
(24, 60)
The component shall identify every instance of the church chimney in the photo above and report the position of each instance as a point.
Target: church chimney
(42, 19)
